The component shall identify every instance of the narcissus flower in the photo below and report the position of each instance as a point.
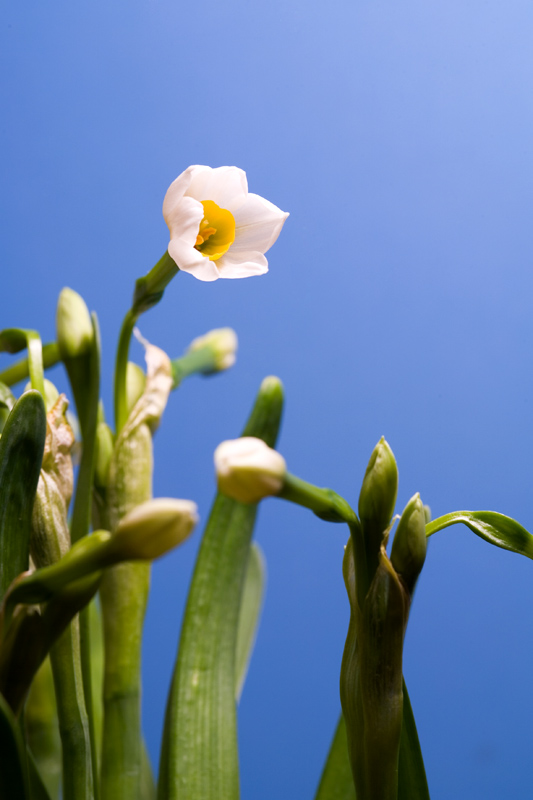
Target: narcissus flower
(248, 469)
(217, 228)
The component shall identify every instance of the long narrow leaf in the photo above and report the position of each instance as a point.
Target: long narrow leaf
(13, 775)
(497, 529)
(21, 454)
(249, 614)
(199, 755)
(336, 782)
(412, 783)
(38, 788)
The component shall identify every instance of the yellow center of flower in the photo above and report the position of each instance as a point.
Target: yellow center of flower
(217, 231)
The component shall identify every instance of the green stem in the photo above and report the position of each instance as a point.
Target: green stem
(124, 593)
(72, 715)
(84, 376)
(325, 503)
(21, 370)
(197, 361)
(121, 365)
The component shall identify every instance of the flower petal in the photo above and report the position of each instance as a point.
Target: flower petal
(242, 265)
(184, 219)
(226, 186)
(190, 260)
(176, 191)
(258, 224)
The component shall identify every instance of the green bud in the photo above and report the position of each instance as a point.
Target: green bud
(378, 492)
(153, 528)
(410, 543)
(104, 450)
(135, 383)
(73, 325)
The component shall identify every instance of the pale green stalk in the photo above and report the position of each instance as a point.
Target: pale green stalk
(20, 371)
(124, 595)
(72, 715)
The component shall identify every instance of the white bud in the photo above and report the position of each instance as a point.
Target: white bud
(223, 344)
(248, 469)
(154, 528)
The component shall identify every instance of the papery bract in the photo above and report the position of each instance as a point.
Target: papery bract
(217, 228)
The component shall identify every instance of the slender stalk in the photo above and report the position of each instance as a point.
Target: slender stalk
(325, 503)
(124, 592)
(84, 376)
(192, 363)
(72, 715)
(21, 370)
(121, 364)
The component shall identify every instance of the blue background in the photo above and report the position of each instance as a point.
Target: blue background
(398, 135)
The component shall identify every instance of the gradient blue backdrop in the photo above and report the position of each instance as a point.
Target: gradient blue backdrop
(398, 135)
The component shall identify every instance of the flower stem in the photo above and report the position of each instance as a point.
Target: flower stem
(202, 361)
(325, 503)
(21, 370)
(72, 715)
(124, 593)
(121, 364)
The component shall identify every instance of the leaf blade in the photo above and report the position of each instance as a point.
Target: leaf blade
(249, 614)
(412, 782)
(495, 528)
(199, 753)
(21, 453)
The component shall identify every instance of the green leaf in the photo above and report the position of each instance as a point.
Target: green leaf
(148, 788)
(199, 756)
(13, 340)
(42, 728)
(21, 454)
(412, 783)
(497, 529)
(13, 775)
(249, 614)
(336, 782)
(28, 637)
(38, 788)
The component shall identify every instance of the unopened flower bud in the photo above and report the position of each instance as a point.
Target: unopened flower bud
(154, 528)
(223, 344)
(73, 325)
(248, 469)
(103, 453)
(410, 543)
(378, 492)
(135, 383)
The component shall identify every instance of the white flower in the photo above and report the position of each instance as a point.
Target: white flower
(217, 228)
(222, 342)
(248, 469)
